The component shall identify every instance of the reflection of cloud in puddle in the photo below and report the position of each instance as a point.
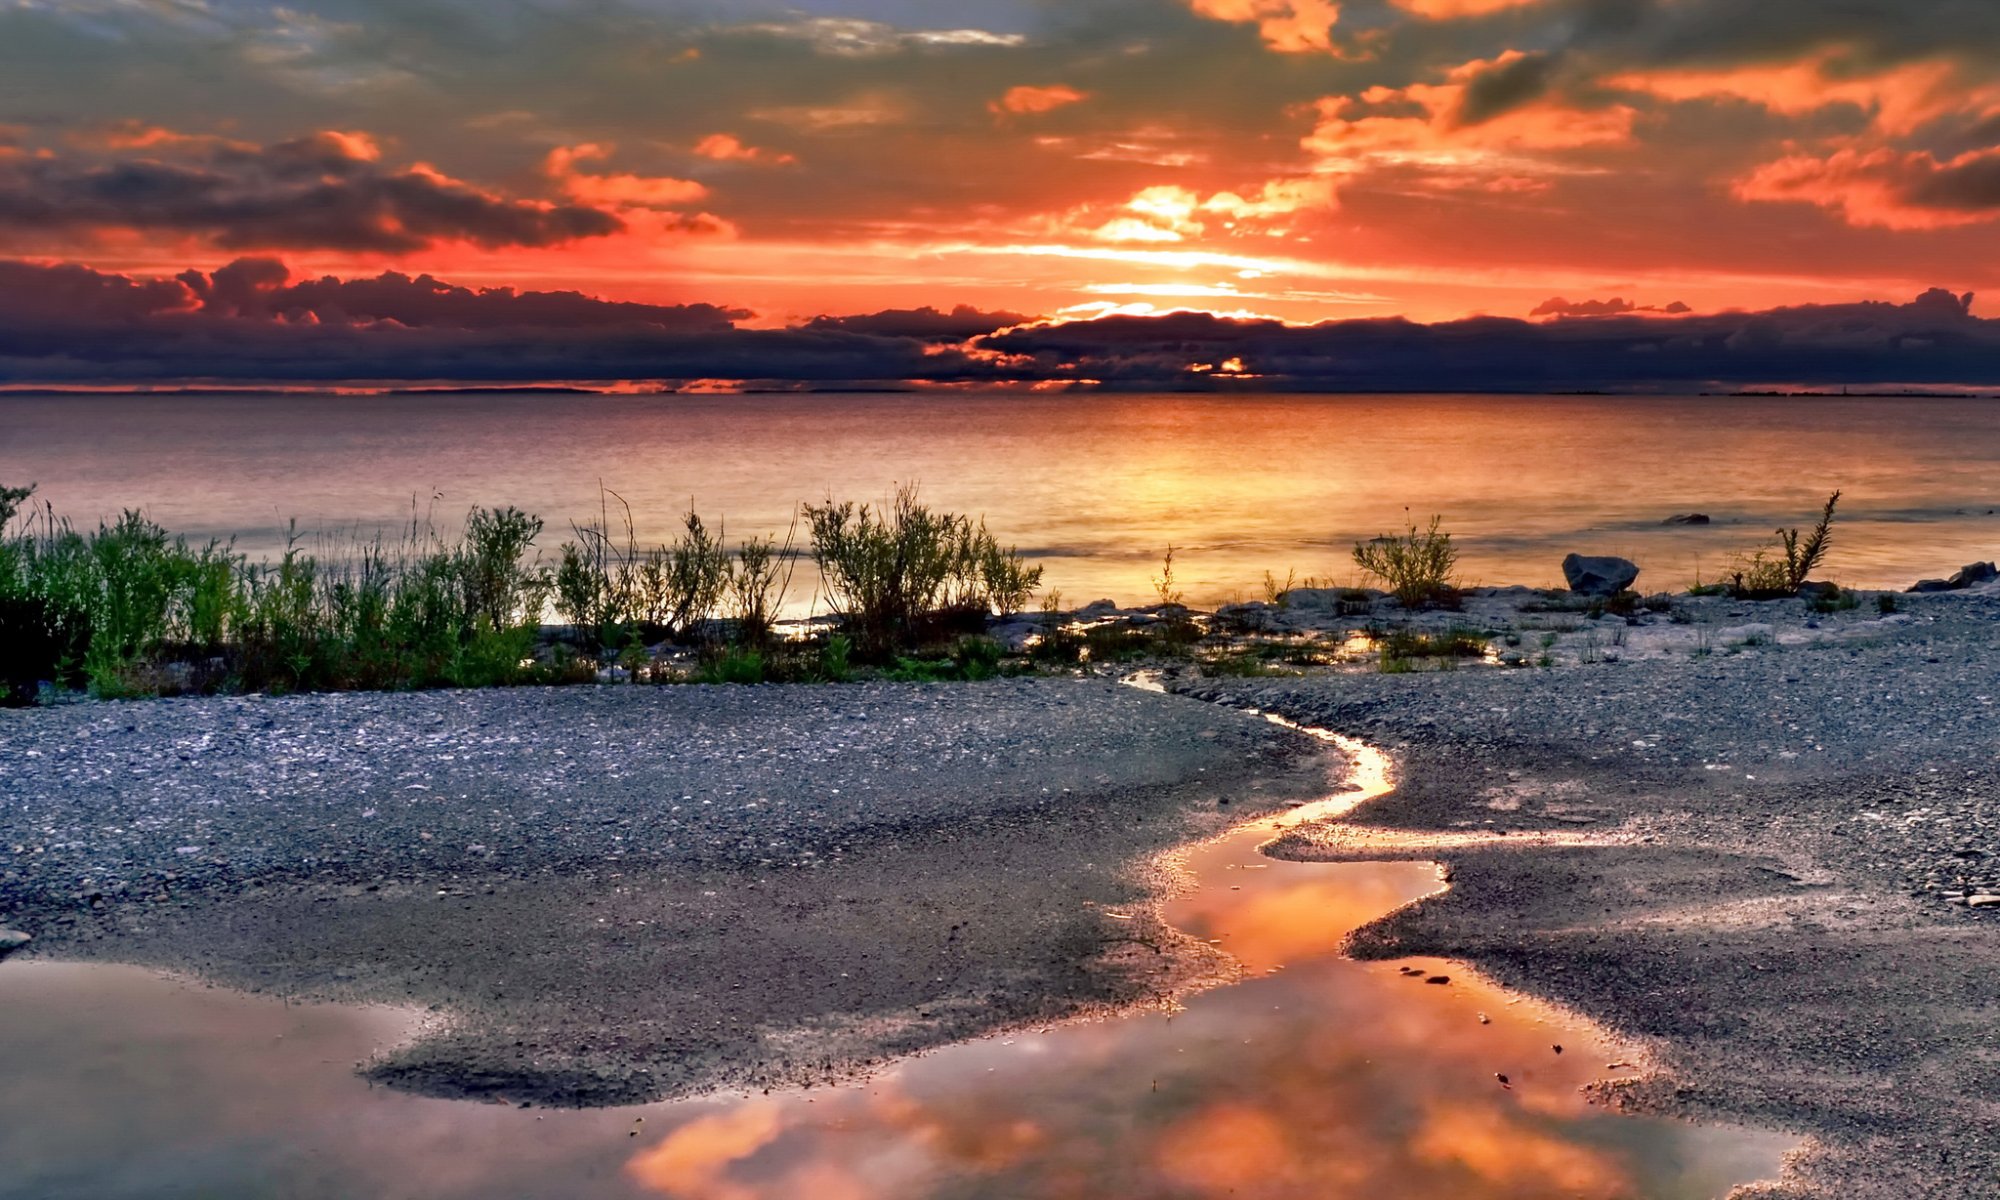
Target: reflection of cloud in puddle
(1317, 1078)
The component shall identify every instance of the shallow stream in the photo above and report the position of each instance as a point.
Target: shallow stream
(1313, 1077)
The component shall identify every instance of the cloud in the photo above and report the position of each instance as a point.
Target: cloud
(1886, 188)
(252, 323)
(727, 147)
(1023, 100)
(1291, 26)
(923, 324)
(327, 191)
(1616, 306)
(1934, 339)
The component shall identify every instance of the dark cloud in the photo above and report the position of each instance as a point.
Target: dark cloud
(325, 192)
(250, 323)
(924, 324)
(1933, 340)
(1504, 87)
(247, 323)
(1557, 306)
(261, 288)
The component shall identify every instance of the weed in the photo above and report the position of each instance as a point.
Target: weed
(1278, 594)
(1418, 566)
(1783, 569)
(834, 659)
(1886, 603)
(1455, 642)
(733, 665)
(1163, 583)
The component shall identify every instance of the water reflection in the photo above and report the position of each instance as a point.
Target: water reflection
(1315, 1077)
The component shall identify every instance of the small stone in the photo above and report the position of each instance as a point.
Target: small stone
(12, 940)
(1987, 901)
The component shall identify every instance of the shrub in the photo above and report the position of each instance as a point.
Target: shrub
(904, 574)
(1417, 566)
(757, 586)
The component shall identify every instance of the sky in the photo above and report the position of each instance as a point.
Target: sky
(767, 176)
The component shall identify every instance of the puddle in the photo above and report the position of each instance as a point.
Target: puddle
(1315, 1078)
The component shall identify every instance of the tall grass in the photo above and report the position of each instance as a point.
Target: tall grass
(129, 609)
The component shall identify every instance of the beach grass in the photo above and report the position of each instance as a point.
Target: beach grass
(131, 609)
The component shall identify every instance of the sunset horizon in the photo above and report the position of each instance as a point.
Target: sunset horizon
(999, 599)
(917, 187)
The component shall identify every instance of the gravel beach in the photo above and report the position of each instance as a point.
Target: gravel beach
(1768, 863)
(621, 894)
(1767, 859)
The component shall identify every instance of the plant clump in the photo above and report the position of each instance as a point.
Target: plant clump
(1419, 566)
(904, 574)
(1781, 570)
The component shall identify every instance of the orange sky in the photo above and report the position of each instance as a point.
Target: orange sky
(1295, 158)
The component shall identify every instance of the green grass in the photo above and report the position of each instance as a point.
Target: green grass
(129, 609)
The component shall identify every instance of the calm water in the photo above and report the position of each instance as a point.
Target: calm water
(1095, 487)
(1315, 1079)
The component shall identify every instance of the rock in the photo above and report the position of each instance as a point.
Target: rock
(1814, 590)
(1688, 519)
(1970, 575)
(1974, 574)
(1599, 575)
(12, 940)
(1983, 902)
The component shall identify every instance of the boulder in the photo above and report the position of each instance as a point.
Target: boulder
(12, 940)
(1975, 574)
(1971, 575)
(1688, 519)
(1599, 575)
(1815, 590)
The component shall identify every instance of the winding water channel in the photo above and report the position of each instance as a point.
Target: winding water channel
(1313, 1077)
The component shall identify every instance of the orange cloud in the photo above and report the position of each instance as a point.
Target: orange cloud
(1425, 124)
(1505, 1151)
(1898, 100)
(1024, 100)
(694, 1161)
(1170, 213)
(1447, 10)
(1228, 1148)
(620, 190)
(1293, 26)
(727, 147)
(1888, 189)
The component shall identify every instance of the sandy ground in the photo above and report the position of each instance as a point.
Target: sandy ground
(622, 894)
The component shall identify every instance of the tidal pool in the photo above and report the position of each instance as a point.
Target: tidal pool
(1314, 1077)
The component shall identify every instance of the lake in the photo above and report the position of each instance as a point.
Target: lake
(1095, 487)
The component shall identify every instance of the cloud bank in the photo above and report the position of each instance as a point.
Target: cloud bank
(252, 323)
